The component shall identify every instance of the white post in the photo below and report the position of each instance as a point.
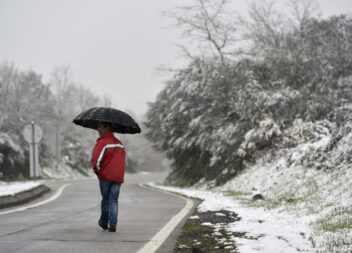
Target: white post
(33, 134)
(57, 140)
(31, 162)
(57, 148)
(34, 153)
(36, 172)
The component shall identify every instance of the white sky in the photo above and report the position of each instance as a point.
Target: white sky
(112, 46)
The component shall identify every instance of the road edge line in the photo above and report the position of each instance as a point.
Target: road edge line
(52, 198)
(158, 239)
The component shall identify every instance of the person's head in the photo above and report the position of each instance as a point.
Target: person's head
(104, 127)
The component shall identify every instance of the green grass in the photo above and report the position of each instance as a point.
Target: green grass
(234, 193)
(287, 202)
(335, 228)
(339, 218)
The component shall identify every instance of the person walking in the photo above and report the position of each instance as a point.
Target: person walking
(108, 161)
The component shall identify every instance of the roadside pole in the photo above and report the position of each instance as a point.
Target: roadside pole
(33, 160)
(57, 140)
(32, 133)
(57, 148)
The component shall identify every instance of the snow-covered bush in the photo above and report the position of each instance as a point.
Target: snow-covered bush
(309, 131)
(208, 108)
(195, 119)
(11, 157)
(310, 180)
(259, 137)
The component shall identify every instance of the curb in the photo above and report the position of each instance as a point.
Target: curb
(23, 197)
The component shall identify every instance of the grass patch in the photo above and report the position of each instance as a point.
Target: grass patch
(335, 231)
(199, 237)
(339, 218)
(267, 203)
(234, 194)
(196, 237)
(289, 203)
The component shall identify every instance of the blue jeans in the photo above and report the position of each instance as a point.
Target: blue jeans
(109, 204)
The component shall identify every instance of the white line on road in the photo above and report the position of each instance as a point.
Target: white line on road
(52, 198)
(162, 235)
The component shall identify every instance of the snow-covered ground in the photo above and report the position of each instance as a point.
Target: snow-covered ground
(61, 172)
(304, 209)
(7, 188)
(265, 230)
(64, 171)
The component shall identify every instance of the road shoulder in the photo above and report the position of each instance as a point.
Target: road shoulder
(167, 245)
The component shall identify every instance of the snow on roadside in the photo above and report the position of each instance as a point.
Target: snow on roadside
(16, 187)
(64, 172)
(318, 199)
(265, 231)
(304, 208)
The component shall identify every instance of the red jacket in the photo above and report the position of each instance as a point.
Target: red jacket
(108, 158)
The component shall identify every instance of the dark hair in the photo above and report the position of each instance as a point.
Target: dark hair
(105, 124)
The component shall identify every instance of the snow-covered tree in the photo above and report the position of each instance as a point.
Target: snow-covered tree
(212, 117)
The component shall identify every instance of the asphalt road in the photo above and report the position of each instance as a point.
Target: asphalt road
(69, 223)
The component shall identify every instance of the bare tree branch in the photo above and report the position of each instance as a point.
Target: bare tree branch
(208, 24)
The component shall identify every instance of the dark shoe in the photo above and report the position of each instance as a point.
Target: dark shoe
(112, 229)
(102, 226)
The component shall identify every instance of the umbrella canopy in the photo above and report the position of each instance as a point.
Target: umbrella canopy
(121, 122)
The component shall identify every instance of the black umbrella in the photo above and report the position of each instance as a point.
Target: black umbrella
(121, 122)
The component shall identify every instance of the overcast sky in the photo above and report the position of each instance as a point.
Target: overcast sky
(113, 46)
